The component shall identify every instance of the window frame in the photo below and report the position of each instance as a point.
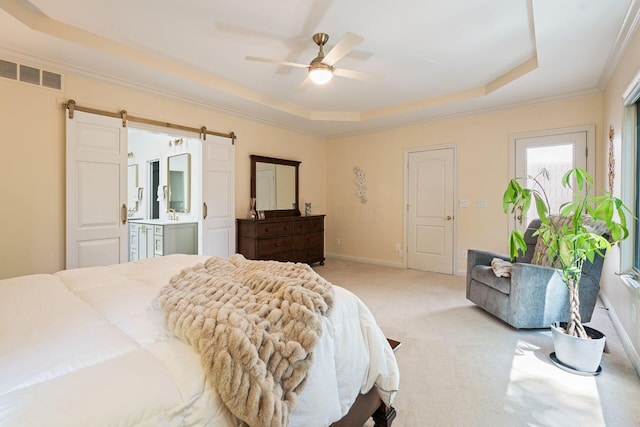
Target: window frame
(630, 172)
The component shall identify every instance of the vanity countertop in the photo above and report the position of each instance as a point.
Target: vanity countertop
(161, 221)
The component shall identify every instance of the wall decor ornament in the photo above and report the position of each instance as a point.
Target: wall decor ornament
(361, 191)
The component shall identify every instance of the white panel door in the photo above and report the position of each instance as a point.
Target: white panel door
(96, 191)
(557, 153)
(218, 196)
(430, 210)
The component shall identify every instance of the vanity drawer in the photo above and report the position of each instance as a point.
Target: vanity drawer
(158, 230)
(309, 225)
(158, 245)
(269, 229)
(133, 238)
(275, 245)
(308, 240)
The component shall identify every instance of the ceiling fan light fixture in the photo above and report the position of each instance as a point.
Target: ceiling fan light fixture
(320, 73)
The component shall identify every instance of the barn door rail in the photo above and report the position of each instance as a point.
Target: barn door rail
(203, 131)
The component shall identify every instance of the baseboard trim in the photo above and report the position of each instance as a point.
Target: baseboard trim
(366, 260)
(624, 338)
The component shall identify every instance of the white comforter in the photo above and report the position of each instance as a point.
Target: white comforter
(89, 347)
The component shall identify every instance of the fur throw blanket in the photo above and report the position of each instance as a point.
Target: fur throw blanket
(255, 324)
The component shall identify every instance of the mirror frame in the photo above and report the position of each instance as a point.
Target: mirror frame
(278, 212)
(133, 205)
(188, 183)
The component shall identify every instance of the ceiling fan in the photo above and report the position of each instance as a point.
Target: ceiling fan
(321, 69)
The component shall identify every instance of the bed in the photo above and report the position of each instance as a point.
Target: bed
(94, 347)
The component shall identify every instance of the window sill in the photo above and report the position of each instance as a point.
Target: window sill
(631, 280)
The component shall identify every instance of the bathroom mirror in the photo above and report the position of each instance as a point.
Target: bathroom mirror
(274, 185)
(179, 183)
(132, 188)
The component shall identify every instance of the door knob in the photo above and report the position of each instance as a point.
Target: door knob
(449, 217)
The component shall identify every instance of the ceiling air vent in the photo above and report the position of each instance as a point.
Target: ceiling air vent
(31, 75)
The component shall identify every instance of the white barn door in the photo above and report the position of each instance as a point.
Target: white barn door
(96, 191)
(218, 196)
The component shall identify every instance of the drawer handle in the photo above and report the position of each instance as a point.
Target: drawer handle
(266, 230)
(277, 245)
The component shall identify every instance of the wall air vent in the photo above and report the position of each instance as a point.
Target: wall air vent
(31, 75)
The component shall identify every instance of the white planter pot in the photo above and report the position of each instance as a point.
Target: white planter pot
(581, 354)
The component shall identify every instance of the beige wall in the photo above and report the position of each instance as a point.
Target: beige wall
(32, 163)
(621, 299)
(33, 160)
(370, 231)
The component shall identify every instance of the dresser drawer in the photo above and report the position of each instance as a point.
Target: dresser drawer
(309, 255)
(280, 256)
(309, 225)
(274, 245)
(308, 240)
(269, 229)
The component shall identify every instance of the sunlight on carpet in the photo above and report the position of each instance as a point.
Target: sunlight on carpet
(560, 398)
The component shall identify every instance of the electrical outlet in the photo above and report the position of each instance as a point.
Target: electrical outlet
(398, 248)
(338, 241)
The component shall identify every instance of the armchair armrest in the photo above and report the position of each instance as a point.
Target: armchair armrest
(478, 257)
(536, 296)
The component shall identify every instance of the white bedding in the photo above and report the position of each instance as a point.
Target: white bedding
(89, 347)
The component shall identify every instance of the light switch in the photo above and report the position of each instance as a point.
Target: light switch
(464, 203)
(481, 203)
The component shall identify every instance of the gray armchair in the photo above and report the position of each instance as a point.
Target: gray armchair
(534, 296)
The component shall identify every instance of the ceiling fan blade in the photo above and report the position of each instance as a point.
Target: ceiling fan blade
(274, 61)
(342, 48)
(306, 83)
(357, 75)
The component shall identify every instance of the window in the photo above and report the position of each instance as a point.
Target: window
(635, 128)
(630, 180)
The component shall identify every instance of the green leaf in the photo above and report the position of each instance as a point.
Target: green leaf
(516, 242)
(541, 207)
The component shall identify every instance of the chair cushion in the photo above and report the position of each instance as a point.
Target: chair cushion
(485, 275)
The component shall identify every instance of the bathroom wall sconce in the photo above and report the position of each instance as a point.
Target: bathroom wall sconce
(140, 192)
(131, 155)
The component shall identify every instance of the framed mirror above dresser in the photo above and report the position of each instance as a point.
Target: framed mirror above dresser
(283, 235)
(274, 186)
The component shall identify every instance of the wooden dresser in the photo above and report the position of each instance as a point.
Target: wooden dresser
(296, 238)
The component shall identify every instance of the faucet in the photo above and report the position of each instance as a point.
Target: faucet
(173, 216)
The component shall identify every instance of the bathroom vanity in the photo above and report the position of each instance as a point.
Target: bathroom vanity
(158, 237)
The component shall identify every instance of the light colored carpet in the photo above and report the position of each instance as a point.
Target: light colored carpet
(460, 366)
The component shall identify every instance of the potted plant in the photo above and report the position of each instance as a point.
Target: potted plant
(570, 243)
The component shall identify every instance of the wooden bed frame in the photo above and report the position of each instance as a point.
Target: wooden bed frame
(370, 406)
